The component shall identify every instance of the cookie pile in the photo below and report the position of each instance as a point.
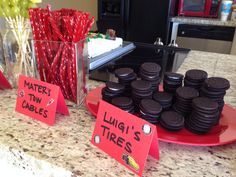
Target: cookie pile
(151, 72)
(195, 78)
(203, 117)
(125, 77)
(172, 81)
(150, 110)
(215, 89)
(172, 121)
(124, 103)
(177, 106)
(184, 97)
(112, 90)
(164, 98)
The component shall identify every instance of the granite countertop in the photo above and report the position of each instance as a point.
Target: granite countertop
(64, 150)
(203, 21)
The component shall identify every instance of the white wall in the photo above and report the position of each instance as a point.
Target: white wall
(83, 5)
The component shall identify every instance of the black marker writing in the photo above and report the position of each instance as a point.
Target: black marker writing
(35, 98)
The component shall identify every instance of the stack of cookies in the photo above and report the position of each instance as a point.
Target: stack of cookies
(124, 103)
(184, 97)
(195, 78)
(125, 77)
(150, 110)
(140, 90)
(203, 117)
(151, 72)
(172, 121)
(164, 98)
(215, 89)
(112, 90)
(172, 81)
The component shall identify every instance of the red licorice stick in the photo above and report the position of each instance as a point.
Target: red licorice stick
(41, 46)
(56, 62)
(89, 26)
(48, 38)
(32, 21)
(74, 72)
(70, 77)
(46, 66)
(68, 27)
(62, 71)
(56, 29)
(67, 79)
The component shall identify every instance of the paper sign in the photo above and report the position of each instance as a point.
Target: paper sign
(125, 137)
(4, 84)
(39, 100)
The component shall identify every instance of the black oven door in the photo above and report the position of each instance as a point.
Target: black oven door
(166, 57)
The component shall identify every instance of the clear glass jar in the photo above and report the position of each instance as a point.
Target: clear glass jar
(16, 48)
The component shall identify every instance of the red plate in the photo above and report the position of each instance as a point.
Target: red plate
(224, 133)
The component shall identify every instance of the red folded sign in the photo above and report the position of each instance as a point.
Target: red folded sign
(4, 84)
(125, 137)
(39, 100)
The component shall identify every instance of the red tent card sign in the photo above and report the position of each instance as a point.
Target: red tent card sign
(125, 137)
(39, 100)
(4, 84)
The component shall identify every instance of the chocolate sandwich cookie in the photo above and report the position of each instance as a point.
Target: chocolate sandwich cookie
(112, 90)
(204, 104)
(196, 75)
(172, 81)
(212, 94)
(124, 72)
(175, 77)
(187, 83)
(150, 110)
(172, 121)
(128, 79)
(141, 86)
(125, 77)
(164, 98)
(195, 78)
(108, 96)
(114, 87)
(184, 97)
(141, 89)
(154, 119)
(150, 69)
(149, 78)
(151, 72)
(186, 93)
(204, 115)
(124, 103)
(217, 84)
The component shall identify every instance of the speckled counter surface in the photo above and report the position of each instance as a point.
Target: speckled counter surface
(203, 21)
(64, 150)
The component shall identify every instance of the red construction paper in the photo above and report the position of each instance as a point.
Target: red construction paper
(4, 84)
(39, 100)
(121, 136)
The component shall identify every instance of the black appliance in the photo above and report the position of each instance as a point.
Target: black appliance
(169, 58)
(209, 38)
(137, 20)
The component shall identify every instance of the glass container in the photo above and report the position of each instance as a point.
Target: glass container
(64, 64)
